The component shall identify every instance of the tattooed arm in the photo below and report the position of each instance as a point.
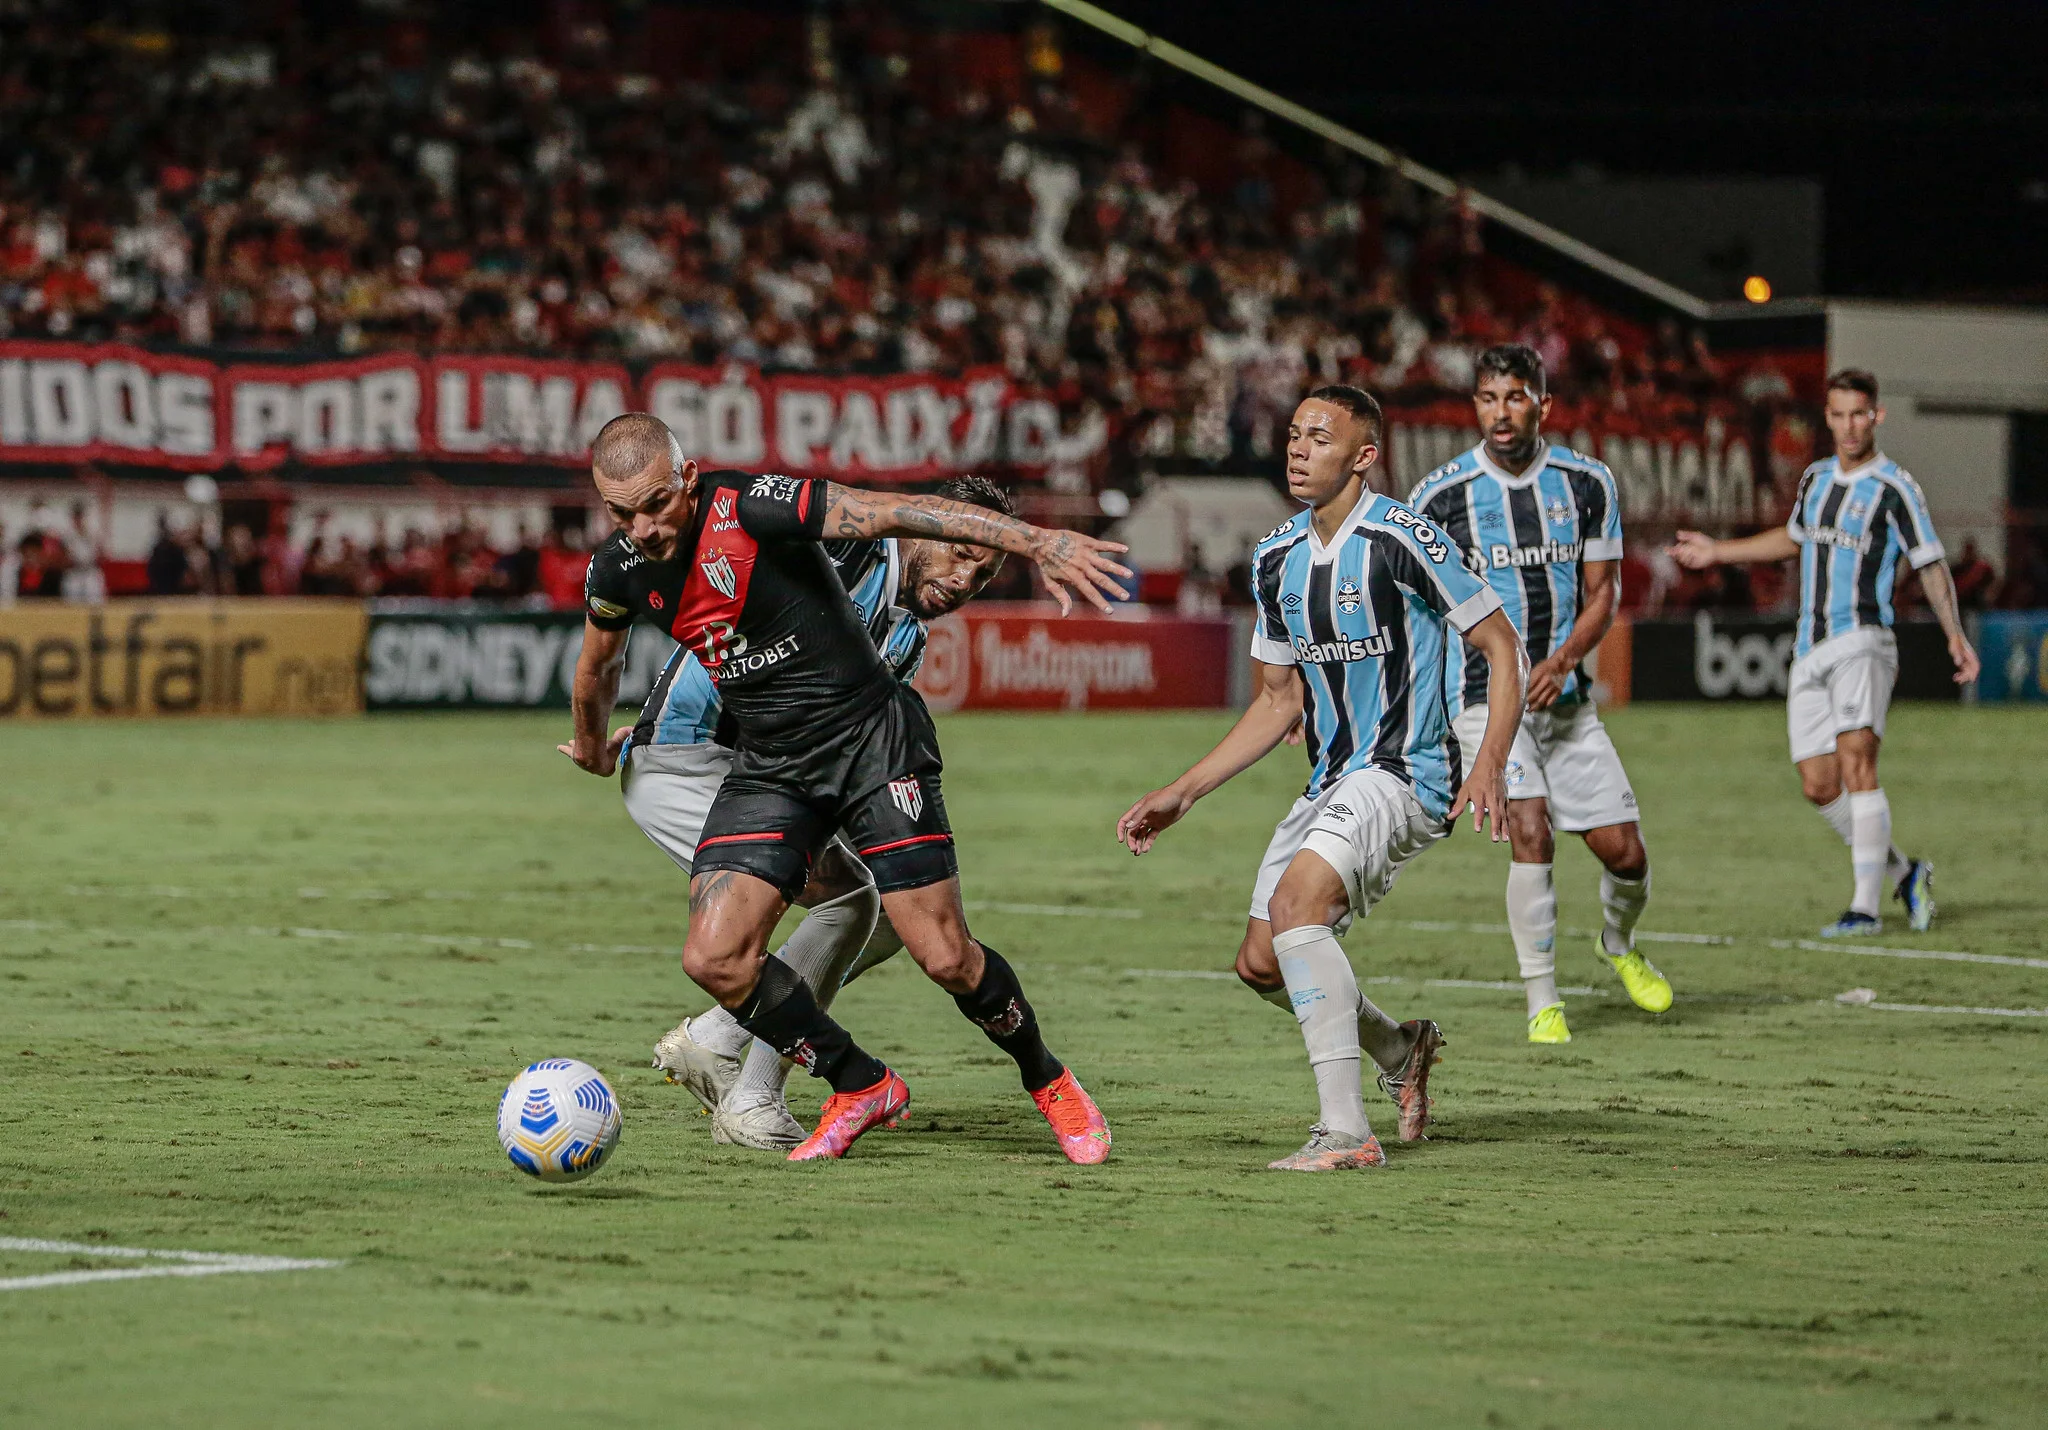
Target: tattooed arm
(1067, 558)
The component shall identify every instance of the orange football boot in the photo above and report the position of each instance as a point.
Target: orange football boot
(1076, 1120)
(848, 1114)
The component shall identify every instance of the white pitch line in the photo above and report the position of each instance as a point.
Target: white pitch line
(1215, 974)
(1937, 1008)
(1877, 951)
(183, 1263)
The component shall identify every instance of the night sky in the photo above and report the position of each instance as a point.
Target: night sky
(1927, 123)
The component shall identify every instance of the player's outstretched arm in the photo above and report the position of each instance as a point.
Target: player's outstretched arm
(1067, 558)
(1485, 790)
(1698, 551)
(1275, 710)
(595, 696)
(1939, 584)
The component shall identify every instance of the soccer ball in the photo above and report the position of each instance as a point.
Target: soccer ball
(559, 1120)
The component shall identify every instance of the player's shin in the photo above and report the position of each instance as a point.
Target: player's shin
(1622, 901)
(1840, 819)
(782, 1013)
(998, 1007)
(1870, 838)
(1532, 923)
(1325, 995)
(822, 948)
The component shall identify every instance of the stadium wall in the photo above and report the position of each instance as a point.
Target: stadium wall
(1953, 379)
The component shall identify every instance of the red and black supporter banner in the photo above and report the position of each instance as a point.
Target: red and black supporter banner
(73, 402)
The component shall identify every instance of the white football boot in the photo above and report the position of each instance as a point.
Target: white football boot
(708, 1075)
(766, 1125)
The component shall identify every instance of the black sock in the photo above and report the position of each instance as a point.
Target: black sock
(999, 1009)
(782, 1013)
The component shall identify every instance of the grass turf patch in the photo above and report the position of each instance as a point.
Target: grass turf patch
(260, 986)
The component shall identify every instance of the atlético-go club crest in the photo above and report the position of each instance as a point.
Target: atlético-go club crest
(907, 796)
(719, 574)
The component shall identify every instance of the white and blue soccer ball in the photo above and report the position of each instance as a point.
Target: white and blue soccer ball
(559, 1120)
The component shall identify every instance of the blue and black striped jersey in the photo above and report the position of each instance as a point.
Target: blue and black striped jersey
(1526, 535)
(683, 708)
(1854, 526)
(1365, 620)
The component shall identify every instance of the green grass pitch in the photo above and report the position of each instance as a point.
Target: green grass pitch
(261, 984)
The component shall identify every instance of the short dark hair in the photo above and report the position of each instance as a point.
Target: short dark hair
(1359, 403)
(1855, 379)
(630, 442)
(1511, 360)
(977, 491)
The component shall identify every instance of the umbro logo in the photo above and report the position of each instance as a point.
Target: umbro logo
(1291, 601)
(1342, 811)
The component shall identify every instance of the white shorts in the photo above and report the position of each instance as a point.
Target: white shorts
(1565, 755)
(1844, 683)
(1366, 826)
(669, 789)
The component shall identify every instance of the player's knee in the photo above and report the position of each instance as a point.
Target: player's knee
(1620, 850)
(1296, 908)
(1529, 831)
(1256, 966)
(723, 972)
(1819, 788)
(952, 963)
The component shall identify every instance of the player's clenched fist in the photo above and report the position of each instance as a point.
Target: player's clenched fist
(600, 760)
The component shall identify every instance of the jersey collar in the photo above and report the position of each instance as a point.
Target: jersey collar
(1507, 478)
(1867, 468)
(1319, 552)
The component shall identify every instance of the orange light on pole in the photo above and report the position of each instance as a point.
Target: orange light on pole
(1757, 288)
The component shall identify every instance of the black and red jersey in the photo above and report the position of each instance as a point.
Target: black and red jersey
(753, 595)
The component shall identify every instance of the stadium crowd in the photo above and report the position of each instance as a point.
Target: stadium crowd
(846, 201)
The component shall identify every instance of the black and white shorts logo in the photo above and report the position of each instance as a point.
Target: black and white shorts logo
(906, 795)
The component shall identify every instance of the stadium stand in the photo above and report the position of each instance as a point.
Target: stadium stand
(798, 192)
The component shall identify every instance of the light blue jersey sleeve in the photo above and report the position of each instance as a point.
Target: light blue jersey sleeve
(1915, 523)
(1437, 576)
(1603, 535)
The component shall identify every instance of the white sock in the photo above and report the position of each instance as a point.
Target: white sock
(1622, 900)
(1325, 996)
(1378, 1034)
(882, 945)
(820, 951)
(720, 1032)
(1532, 922)
(1870, 823)
(1838, 817)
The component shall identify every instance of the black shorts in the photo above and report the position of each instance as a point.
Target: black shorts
(878, 783)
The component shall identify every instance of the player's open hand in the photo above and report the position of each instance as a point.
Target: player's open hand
(1486, 794)
(1693, 550)
(1069, 559)
(1143, 822)
(603, 760)
(1967, 664)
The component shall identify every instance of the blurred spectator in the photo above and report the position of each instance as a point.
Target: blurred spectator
(852, 204)
(1974, 576)
(167, 572)
(83, 582)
